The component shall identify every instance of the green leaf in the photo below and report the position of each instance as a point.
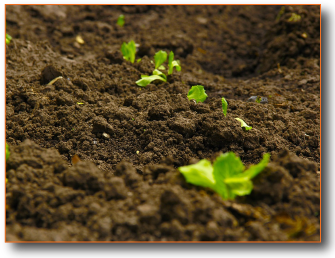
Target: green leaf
(200, 174)
(8, 38)
(226, 166)
(161, 67)
(157, 72)
(7, 151)
(160, 58)
(244, 124)
(129, 51)
(239, 186)
(120, 20)
(148, 79)
(173, 63)
(254, 170)
(224, 106)
(197, 93)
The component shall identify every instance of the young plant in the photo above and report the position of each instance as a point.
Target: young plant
(120, 20)
(129, 51)
(197, 93)
(173, 63)
(244, 124)
(7, 152)
(227, 176)
(160, 57)
(224, 106)
(8, 38)
(146, 79)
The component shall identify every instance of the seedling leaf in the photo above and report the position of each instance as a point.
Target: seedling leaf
(8, 38)
(157, 72)
(197, 93)
(173, 63)
(224, 106)
(7, 152)
(200, 173)
(120, 20)
(148, 79)
(244, 124)
(129, 51)
(160, 58)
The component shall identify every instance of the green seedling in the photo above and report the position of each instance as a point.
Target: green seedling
(120, 20)
(173, 63)
(7, 152)
(197, 93)
(294, 18)
(146, 79)
(281, 12)
(8, 38)
(129, 51)
(224, 106)
(227, 176)
(259, 99)
(160, 57)
(244, 124)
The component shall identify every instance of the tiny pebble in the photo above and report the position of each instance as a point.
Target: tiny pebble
(106, 135)
(95, 141)
(137, 152)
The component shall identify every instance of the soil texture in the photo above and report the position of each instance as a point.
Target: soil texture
(131, 139)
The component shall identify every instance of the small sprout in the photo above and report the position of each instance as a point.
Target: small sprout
(224, 106)
(138, 60)
(7, 152)
(294, 18)
(129, 51)
(80, 40)
(244, 124)
(133, 119)
(258, 99)
(120, 20)
(80, 103)
(281, 12)
(227, 176)
(160, 57)
(197, 93)
(137, 152)
(8, 38)
(173, 63)
(54, 80)
(146, 79)
(143, 130)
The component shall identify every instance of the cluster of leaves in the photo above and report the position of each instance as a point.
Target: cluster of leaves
(227, 176)
(160, 57)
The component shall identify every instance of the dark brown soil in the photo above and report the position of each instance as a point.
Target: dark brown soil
(131, 140)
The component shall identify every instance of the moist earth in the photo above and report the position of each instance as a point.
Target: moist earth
(131, 140)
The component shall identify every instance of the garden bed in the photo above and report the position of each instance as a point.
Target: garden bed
(132, 139)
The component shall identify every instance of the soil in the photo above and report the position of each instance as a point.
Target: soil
(131, 140)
